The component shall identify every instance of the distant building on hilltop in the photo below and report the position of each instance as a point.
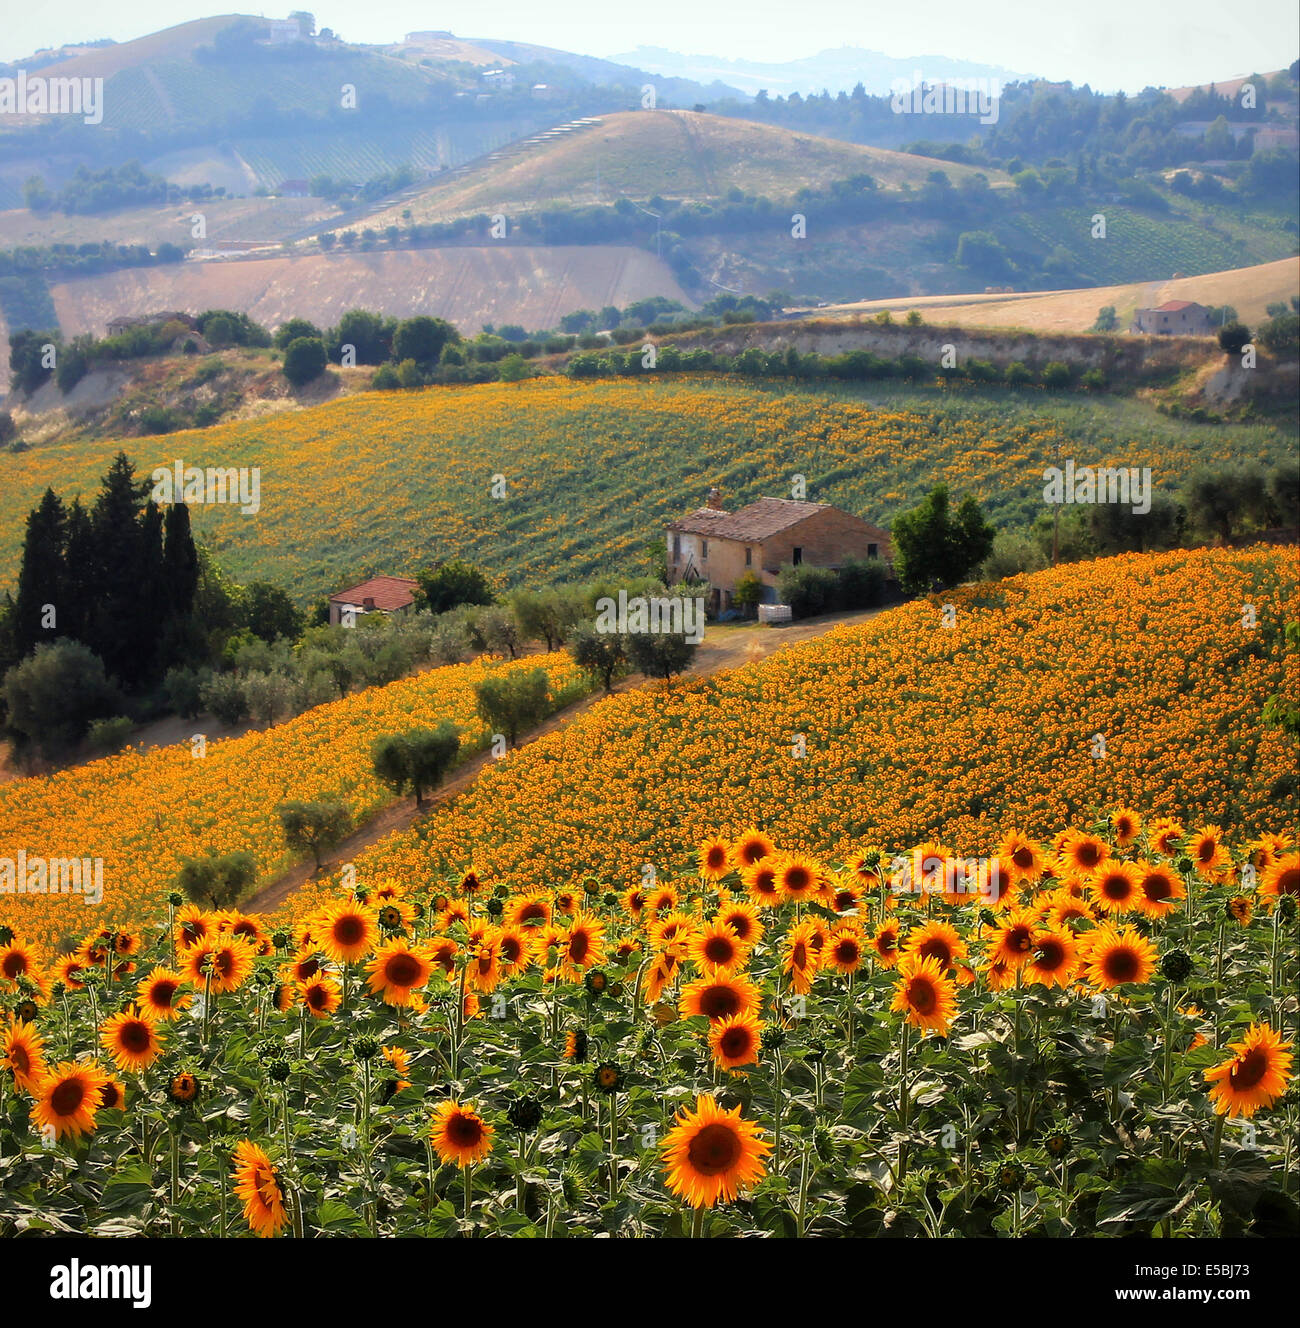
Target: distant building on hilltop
(719, 546)
(1177, 318)
(381, 594)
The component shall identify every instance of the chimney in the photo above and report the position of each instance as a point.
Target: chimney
(714, 500)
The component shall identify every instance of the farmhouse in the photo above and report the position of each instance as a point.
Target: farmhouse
(381, 594)
(719, 546)
(1174, 318)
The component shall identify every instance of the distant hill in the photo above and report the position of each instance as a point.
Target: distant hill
(836, 70)
(1249, 290)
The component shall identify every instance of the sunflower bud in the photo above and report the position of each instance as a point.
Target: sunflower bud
(772, 1038)
(1058, 1143)
(175, 898)
(596, 982)
(1286, 906)
(824, 1143)
(1010, 1176)
(609, 899)
(6, 935)
(573, 1186)
(281, 939)
(1184, 865)
(495, 907)
(278, 1070)
(1176, 965)
(365, 1048)
(525, 1113)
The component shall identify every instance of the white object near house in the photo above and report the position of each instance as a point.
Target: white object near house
(774, 613)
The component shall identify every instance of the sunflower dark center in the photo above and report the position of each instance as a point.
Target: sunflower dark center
(1121, 965)
(936, 948)
(846, 952)
(921, 996)
(719, 950)
(135, 1036)
(1051, 955)
(1249, 1069)
(464, 1131)
(735, 1042)
(349, 930)
(1088, 854)
(739, 923)
(579, 945)
(714, 1150)
(1116, 887)
(1023, 858)
(799, 957)
(162, 992)
(798, 878)
(1156, 886)
(532, 913)
(68, 1097)
(719, 1002)
(14, 966)
(1288, 882)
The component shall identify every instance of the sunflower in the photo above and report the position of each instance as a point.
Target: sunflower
(320, 996)
(924, 995)
(802, 956)
(661, 973)
(131, 1039)
(460, 1134)
(1159, 889)
(661, 899)
(761, 884)
(846, 950)
(1255, 1077)
(575, 1045)
(348, 931)
(1206, 850)
(999, 975)
(715, 996)
(1054, 958)
(1083, 853)
(228, 959)
(712, 1155)
(24, 1055)
(1282, 878)
(672, 928)
(799, 878)
(112, 1096)
(257, 1184)
(884, 941)
(193, 924)
(70, 970)
(515, 946)
(717, 947)
(18, 960)
(401, 1063)
(714, 857)
(1126, 825)
(1164, 835)
(1117, 956)
(68, 1098)
(483, 972)
(161, 995)
(633, 901)
(1239, 909)
(583, 946)
(1011, 942)
(442, 952)
(1113, 887)
(303, 967)
(743, 919)
(935, 940)
(751, 847)
(398, 969)
(846, 895)
(735, 1040)
(1063, 908)
(184, 1088)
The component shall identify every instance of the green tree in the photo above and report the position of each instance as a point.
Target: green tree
(660, 654)
(42, 577)
(314, 827)
(513, 701)
(545, 615)
(304, 360)
(292, 330)
(421, 339)
(269, 613)
(53, 696)
(416, 761)
(1233, 337)
(452, 583)
(933, 548)
(216, 880)
(602, 655)
(747, 593)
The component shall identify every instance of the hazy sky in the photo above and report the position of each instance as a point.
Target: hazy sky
(1108, 43)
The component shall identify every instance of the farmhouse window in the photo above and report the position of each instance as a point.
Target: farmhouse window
(797, 557)
(873, 550)
(749, 556)
(704, 550)
(677, 548)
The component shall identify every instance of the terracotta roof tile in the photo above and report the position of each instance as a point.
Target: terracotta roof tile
(387, 593)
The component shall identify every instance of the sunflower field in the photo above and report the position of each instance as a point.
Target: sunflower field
(1085, 1035)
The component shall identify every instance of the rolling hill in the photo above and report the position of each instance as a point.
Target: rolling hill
(669, 153)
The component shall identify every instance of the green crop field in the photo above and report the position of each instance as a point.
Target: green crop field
(593, 469)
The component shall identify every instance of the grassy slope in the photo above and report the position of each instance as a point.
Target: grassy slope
(676, 154)
(593, 470)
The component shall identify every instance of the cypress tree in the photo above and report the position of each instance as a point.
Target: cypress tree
(42, 579)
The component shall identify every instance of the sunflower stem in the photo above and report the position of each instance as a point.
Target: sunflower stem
(1218, 1139)
(613, 1147)
(469, 1184)
(697, 1224)
(903, 1101)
